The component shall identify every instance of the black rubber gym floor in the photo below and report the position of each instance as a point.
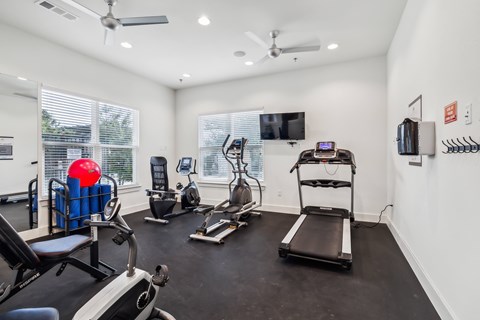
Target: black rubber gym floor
(245, 279)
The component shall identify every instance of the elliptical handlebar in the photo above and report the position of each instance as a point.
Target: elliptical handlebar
(295, 166)
(225, 155)
(225, 142)
(194, 167)
(178, 166)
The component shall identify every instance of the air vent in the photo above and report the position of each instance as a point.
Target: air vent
(56, 9)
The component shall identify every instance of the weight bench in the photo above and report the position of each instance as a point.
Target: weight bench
(29, 262)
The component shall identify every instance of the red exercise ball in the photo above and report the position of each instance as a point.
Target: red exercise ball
(86, 170)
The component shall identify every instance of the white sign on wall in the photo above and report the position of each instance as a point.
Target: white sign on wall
(6, 148)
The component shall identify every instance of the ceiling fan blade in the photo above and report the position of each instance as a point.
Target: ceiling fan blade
(109, 37)
(300, 49)
(262, 61)
(257, 39)
(140, 21)
(82, 8)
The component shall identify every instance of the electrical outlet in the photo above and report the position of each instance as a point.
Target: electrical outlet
(468, 114)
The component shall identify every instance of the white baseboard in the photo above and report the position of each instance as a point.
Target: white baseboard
(364, 217)
(440, 304)
(135, 208)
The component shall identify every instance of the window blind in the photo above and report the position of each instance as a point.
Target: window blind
(213, 129)
(76, 127)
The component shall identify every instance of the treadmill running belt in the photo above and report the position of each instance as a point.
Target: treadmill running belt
(319, 237)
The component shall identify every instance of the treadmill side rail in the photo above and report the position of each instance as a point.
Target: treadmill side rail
(346, 253)
(288, 238)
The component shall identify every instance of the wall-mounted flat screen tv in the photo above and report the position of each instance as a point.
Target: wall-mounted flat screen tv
(282, 126)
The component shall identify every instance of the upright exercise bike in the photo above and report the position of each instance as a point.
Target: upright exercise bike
(132, 295)
(240, 205)
(163, 199)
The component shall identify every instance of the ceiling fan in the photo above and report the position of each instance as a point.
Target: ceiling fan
(110, 23)
(273, 50)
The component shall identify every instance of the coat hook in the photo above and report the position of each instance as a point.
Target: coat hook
(456, 147)
(469, 147)
(448, 148)
(476, 146)
(463, 148)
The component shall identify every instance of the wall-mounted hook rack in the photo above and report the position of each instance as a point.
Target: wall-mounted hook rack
(459, 147)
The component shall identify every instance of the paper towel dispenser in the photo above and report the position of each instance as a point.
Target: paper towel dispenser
(416, 138)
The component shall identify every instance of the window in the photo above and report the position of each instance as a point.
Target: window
(75, 127)
(212, 131)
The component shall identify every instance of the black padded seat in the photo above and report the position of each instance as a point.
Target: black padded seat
(31, 314)
(60, 248)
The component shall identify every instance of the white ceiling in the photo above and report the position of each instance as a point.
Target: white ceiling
(164, 52)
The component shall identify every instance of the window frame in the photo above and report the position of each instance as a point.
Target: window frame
(95, 144)
(229, 177)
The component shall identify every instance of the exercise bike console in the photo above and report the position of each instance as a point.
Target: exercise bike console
(112, 208)
(184, 166)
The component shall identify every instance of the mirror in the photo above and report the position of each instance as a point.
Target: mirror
(18, 150)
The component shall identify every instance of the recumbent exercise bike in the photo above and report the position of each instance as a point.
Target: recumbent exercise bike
(163, 199)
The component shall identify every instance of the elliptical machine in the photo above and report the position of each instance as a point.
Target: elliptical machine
(163, 199)
(239, 205)
(132, 295)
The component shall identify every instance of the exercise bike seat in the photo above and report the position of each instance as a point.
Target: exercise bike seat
(60, 248)
(31, 314)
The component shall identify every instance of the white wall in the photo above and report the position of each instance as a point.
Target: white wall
(56, 66)
(18, 119)
(436, 217)
(344, 102)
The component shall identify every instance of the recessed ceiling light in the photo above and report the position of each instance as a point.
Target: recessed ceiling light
(239, 54)
(22, 78)
(126, 45)
(248, 63)
(204, 21)
(186, 75)
(332, 46)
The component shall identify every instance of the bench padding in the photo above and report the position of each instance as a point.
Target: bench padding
(60, 248)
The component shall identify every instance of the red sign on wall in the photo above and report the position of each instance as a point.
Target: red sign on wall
(451, 112)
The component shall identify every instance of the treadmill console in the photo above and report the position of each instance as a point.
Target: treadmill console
(185, 166)
(325, 150)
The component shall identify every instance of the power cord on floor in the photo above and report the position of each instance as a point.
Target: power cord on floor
(360, 225)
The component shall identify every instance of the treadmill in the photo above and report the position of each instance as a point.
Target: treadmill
(322, 233)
